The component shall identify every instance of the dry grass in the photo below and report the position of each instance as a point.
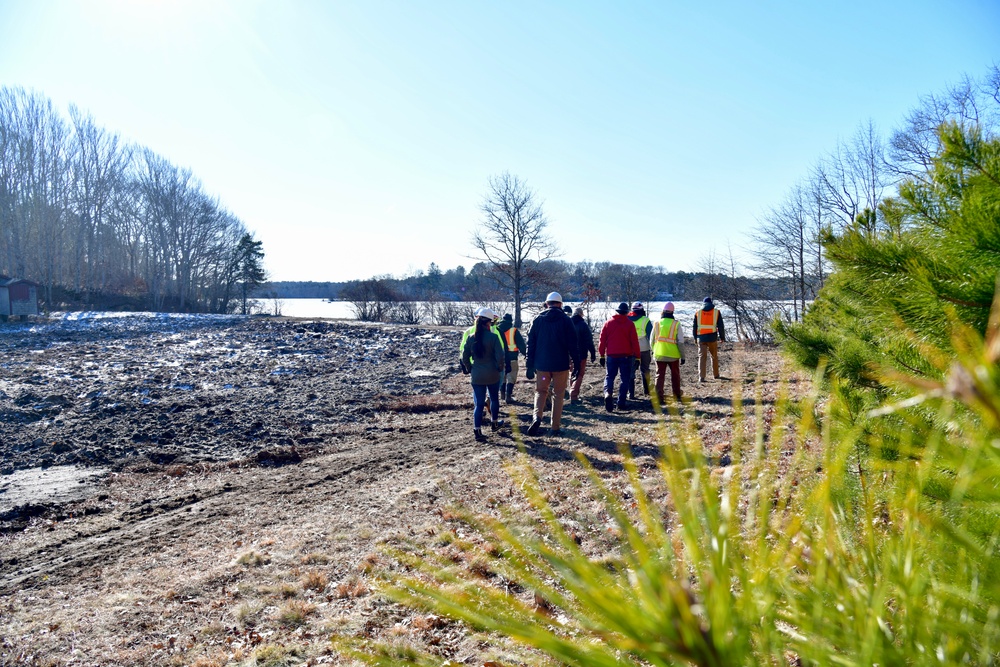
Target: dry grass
(295, 613)
(314, 581)
(354, 587)
(253, 559)
(422, 404)
(228, 581)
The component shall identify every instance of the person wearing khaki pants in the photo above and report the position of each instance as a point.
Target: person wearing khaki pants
(552, 352)
(585, 344)
(557, 381)
(708, 330)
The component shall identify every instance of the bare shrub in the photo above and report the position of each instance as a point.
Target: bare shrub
(404, 312)
(371, 299)
(756, 317)
(443, 313)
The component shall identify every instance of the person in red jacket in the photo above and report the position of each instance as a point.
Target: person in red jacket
(619, 349)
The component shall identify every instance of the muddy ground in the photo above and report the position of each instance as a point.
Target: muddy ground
(173, 487)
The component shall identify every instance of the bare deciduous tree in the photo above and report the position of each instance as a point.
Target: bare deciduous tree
(512, 236)
(787, 248)
(913, 147)
(628, 282)
(854, 177)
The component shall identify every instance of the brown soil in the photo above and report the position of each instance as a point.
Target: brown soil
(250, 472)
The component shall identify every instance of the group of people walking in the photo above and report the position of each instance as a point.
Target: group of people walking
(556, 352)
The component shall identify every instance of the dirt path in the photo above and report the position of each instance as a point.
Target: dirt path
(198, 561)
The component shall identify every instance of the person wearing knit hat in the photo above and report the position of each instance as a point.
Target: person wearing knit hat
(515, 346)
(618, 348)
(709, 330)
(585, 342)
(667, 341)
(643, 329)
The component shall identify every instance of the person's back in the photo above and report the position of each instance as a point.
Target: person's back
(516, 345)
(552, 351)
(709, 330)
(552, 342)
(486, 360)
(618, 347)
(584, 336)
(619, 338)
(643, 329)
(585, 344)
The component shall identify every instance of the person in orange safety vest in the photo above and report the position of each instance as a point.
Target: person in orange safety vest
(709, 331)
(515, 346)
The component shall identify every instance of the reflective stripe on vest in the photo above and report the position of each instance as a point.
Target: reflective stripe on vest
(511, 345)
(707, 320)
(666, 343)
(640, 326)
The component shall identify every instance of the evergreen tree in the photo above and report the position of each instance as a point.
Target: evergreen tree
(898, 290)
(250, 272)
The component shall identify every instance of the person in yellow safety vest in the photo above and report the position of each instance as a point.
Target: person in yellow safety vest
(643, 328)
(667, 341)
(709, 331)
(515, 346)
(482, 312)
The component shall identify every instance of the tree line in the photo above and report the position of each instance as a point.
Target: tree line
(443, 297)
(98, 221)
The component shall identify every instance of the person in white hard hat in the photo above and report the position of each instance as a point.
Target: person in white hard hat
(484, 355)
(552, 352)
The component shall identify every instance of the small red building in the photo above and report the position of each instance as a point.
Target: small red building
(18, 297)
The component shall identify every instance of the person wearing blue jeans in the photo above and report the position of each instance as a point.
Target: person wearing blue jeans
(483, 357)
(618, 348)
(620, 367)
(479, 392)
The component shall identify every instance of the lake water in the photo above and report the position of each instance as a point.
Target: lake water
(684, 310)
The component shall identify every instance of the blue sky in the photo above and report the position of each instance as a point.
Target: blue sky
(356, 138)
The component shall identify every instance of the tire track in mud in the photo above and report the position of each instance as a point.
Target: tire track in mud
(119, 537)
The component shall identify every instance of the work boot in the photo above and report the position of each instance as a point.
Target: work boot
(509, 393)
(478, 432)
(496, 424)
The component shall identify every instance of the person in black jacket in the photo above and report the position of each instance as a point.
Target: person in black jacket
(585, 344)
(515, 346)
(552, 351)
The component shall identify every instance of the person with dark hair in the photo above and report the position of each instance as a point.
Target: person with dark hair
(514, 342)
(585, 343)
(709, 331)
(619, 349)
(483, 355)
(643, 328)
(667, 342)
(552, 352)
